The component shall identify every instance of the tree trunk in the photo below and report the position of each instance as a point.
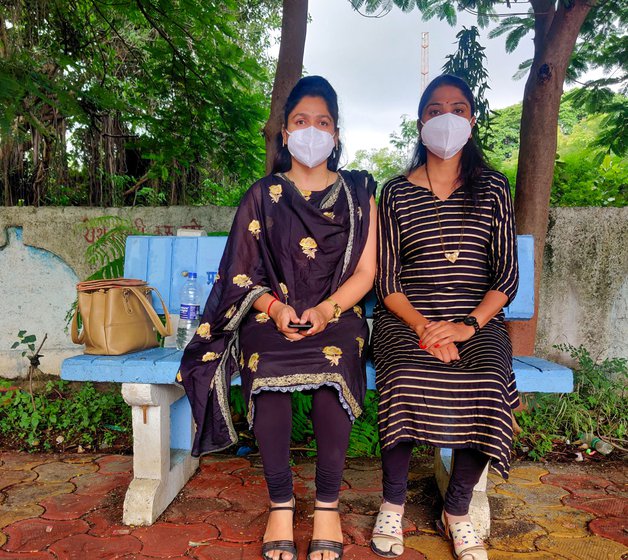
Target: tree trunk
(554, 41)
(289, 67)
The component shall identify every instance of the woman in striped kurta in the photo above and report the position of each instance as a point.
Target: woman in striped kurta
(447, 266)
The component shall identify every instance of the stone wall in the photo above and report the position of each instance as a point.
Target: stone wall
(42, 257)
(584, 288)
(583, 300)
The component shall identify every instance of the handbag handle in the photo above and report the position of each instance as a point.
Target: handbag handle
(79, 338)
(163, 331)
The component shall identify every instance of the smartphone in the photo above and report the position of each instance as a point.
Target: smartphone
(301, 327)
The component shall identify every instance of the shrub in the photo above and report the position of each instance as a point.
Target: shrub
(60, 417)
(599, 404)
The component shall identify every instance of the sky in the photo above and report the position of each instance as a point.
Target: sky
(375, 66)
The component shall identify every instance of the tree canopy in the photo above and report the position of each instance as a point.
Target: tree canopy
(111, 103)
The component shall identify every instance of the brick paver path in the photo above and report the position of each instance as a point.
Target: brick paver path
(70, 507)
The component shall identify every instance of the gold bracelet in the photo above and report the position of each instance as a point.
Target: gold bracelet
(337, 308)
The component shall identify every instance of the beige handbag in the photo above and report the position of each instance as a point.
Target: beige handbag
(118, 317)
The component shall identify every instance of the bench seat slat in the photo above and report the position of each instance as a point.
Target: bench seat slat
(159, 365)
(538, 375)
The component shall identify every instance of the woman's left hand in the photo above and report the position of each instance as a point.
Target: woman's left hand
(439, 333)
(318, 317)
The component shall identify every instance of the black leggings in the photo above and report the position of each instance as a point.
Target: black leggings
(273, 426)
(467, 469)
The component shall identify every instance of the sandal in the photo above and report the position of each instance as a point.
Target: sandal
(387, 537)
(284, 545)
(322, 545)
(467, 544)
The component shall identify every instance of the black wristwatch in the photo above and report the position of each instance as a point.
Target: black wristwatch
(471, 321)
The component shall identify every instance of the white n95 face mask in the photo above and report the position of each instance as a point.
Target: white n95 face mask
(310, 146)
(445, 135)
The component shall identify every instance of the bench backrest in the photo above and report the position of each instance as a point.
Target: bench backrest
(163, 260)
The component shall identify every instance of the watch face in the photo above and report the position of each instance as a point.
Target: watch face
(470, 320)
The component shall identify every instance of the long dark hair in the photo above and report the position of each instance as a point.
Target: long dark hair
(472, 162)
(309, 86)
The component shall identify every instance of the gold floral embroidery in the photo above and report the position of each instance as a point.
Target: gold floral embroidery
(217, 277)
(253, 362)
(308, 246)
(204, 330)
(262, 317)
(255, 228)
(241, 359)
(306, 194)
(231, 312)
(360, 341)
(330, 215)
(242, 280)
(358, 311)
(275, 192)
(210, 356)
(333, 354)
(179, 378)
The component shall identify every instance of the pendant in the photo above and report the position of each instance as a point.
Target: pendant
(452, 256)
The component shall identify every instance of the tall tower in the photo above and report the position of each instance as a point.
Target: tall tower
(425, 60)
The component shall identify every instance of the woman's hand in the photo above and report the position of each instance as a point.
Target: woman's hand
(283, 314)
(446, 353)
(319, 317)
(439, 333)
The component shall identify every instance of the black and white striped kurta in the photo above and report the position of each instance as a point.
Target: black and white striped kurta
(466, 403)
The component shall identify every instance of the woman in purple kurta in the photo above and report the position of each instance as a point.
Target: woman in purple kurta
(301, 251)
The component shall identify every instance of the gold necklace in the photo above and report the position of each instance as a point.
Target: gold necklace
(306, 193)
(451, 256)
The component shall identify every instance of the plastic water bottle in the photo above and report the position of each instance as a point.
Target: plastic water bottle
(190, 313)
(596, 443)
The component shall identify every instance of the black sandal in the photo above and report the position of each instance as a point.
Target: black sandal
(285, 545)
(322, 545)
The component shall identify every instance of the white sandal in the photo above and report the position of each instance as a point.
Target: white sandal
(387, 537)
(467, 544)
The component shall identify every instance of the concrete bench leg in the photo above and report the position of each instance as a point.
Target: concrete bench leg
(479, 510)
(159, 471)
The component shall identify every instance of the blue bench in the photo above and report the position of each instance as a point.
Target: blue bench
(162, 421)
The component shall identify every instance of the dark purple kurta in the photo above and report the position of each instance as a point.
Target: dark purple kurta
(302, 246)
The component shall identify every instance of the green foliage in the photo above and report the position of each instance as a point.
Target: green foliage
(27, 341)
(382, 163)
(585, 174)
(612, 136)
(468, 63)
(364, 440)
(107, 252)
(112, 103)
(62, 418)
(385, 163)
(599, 404)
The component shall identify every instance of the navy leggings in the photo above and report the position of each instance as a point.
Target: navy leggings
(273, 426)
(468, 466)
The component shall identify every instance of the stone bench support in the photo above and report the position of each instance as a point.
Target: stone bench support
(162, 463)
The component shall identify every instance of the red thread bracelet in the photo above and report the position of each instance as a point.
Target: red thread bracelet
(270, 305)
